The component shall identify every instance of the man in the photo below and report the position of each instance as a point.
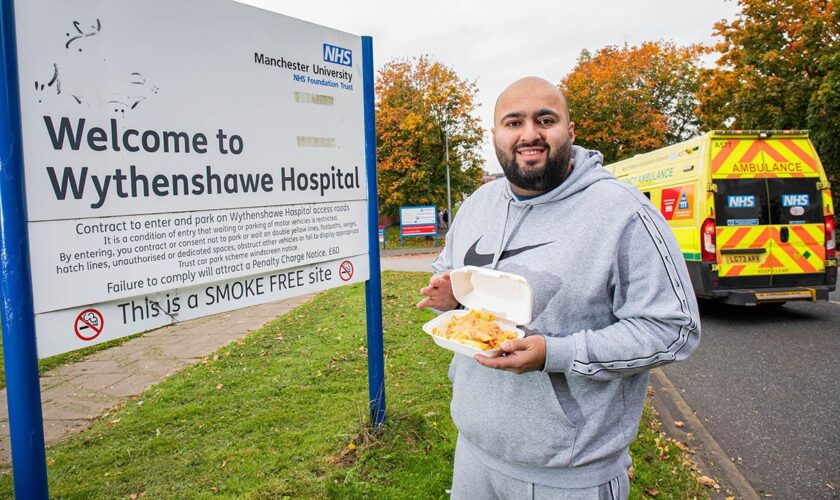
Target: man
(554, 416)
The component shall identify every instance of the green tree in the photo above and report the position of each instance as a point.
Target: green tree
(629, 100)
(779, 68)
(418, 103)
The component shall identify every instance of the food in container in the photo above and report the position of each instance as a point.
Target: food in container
(496, 302)
(476, 329)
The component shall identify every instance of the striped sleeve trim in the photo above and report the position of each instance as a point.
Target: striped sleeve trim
(679, 289)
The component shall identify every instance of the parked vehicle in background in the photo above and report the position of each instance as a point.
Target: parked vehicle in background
(751, 210)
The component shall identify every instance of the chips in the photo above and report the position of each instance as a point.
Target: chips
(476, 329)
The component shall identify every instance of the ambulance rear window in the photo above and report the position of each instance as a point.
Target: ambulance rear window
(795, 201)
(741, 202)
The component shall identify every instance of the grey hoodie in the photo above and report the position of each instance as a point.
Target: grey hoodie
(613, 299)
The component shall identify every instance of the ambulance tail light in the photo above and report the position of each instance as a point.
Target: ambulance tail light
(830, 238)
(708, 241)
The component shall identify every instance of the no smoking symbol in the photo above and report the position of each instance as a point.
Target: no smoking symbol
(345, 270)
(89, 324)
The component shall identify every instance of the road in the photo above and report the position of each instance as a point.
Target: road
(766, 385)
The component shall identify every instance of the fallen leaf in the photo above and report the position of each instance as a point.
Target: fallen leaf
(50, 462)
(220, 386)
(631, 473)
(351, 447)
(681, 446)
(133, 496)
(707, 481)
(651, 492)
(730, 498)
(216, 357)
(679, 423)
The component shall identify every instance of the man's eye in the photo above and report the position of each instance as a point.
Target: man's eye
(512, 123)
(546, 121)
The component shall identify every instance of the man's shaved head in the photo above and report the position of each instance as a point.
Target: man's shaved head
(532, 84)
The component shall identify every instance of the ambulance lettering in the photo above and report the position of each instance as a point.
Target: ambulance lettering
(763, 168)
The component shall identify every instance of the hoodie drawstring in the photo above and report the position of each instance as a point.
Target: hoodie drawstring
(503, 241)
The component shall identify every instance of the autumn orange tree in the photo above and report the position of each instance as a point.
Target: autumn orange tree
(628, 100)
(418, 101)
(779, 68)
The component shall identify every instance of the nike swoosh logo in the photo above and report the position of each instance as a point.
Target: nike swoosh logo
(473, 258)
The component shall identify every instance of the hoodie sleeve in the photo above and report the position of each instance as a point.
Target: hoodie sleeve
(653, 300)
(444, 260)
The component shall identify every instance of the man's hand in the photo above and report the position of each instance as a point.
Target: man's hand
(438, 294)
(520, 355)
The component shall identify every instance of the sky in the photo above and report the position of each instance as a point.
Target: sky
(494, 43)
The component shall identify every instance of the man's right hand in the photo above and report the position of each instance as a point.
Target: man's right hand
(438, 294)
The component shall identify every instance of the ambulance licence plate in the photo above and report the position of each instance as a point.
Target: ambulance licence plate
(742, 259)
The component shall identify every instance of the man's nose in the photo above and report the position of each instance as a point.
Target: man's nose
(530, 132)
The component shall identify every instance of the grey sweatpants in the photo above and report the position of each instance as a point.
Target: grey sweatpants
(473, 480)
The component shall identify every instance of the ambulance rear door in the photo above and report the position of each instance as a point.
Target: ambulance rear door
(744, 242)
(799, 236)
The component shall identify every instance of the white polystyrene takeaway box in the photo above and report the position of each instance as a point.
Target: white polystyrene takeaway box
(508, 296)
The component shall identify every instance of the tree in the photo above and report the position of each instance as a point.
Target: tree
(629, 100)
(779, 68)
(418, 103)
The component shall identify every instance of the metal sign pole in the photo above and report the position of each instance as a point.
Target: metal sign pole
(373, 287)
(23, 389)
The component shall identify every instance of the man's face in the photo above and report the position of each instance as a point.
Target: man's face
(533, 136)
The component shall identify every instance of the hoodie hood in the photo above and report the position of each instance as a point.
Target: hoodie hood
(586, 171)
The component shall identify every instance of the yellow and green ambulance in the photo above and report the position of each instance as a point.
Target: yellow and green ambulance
(751, 211)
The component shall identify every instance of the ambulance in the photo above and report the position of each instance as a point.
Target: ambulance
(751, 211)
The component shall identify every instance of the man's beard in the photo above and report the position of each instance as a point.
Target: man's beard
(555, 172)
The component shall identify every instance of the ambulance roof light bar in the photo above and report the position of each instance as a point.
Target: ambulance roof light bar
(763, 134)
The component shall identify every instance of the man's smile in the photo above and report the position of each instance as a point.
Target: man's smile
(531, 153)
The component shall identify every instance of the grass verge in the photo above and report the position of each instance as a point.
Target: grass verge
(282, 413)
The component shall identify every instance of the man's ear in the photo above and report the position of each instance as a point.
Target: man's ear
(572, 132)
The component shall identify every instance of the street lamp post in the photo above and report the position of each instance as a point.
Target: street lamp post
(448, 192)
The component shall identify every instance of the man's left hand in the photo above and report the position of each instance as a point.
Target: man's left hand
(520, 355)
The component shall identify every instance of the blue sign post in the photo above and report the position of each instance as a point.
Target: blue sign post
(373, 287)
(23, 390)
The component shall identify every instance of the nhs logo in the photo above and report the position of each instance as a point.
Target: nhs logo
(795, 200)
(338, 55)
(741, 201)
